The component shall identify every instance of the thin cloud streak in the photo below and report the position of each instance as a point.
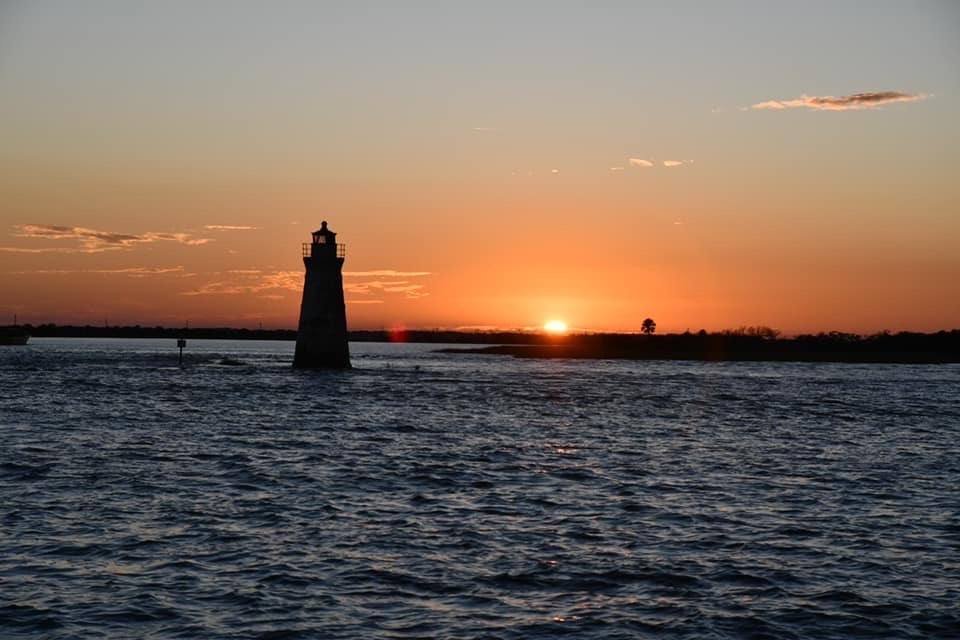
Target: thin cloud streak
(250, 283)
(133, 272)
(254, 281)
(96, 241)
(45, 250)
(854, 102)
(389, 273)
(640, 162)
(377, 286)
(229, 227)
(409, 289)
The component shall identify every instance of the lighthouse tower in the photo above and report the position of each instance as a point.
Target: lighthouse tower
(322, 334)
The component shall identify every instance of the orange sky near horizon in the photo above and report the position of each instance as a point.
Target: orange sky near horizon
(480, 188)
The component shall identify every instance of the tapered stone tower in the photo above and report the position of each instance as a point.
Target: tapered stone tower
(322, 334)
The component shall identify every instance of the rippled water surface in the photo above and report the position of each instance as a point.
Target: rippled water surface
(451, 496)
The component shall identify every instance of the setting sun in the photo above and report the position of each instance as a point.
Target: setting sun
(555, 326)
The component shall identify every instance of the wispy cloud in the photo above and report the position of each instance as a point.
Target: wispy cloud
(133, 272)
(390, 285)
(385, 273)
(95, 240)
(250, 281)
(411, 290)
(386, 286)
(364, 301)
(616, 168)
(44, 250)
(217, 288)
(856, 101)
(272, 283)
(483, 129)
(373, 285)
(139, 271)
(647, 164)
(228, 227)
(289, 280)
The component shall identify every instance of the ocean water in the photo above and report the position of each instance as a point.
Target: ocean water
(426, 495)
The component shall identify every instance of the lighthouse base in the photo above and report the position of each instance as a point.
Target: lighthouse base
(315, 351)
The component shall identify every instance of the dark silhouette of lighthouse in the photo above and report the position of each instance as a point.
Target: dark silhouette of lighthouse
(322, 333)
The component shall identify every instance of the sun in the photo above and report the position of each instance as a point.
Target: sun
(555, 326)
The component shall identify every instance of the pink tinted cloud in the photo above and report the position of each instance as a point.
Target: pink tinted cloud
(853, 102)
(95, 240)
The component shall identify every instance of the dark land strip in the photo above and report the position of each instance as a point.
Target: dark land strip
(905, 347)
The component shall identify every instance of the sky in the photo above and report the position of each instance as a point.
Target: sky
(488, 164)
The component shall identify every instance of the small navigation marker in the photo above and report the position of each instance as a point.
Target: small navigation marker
(181, 343)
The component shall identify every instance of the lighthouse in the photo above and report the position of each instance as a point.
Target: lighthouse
(322, 333)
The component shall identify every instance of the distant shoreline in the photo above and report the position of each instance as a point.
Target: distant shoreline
(942, 347)
(901, 348)
(427, 336)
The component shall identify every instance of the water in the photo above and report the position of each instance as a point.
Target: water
(448, 496)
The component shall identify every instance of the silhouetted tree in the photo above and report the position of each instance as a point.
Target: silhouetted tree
(648, 326)
(767, 333)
